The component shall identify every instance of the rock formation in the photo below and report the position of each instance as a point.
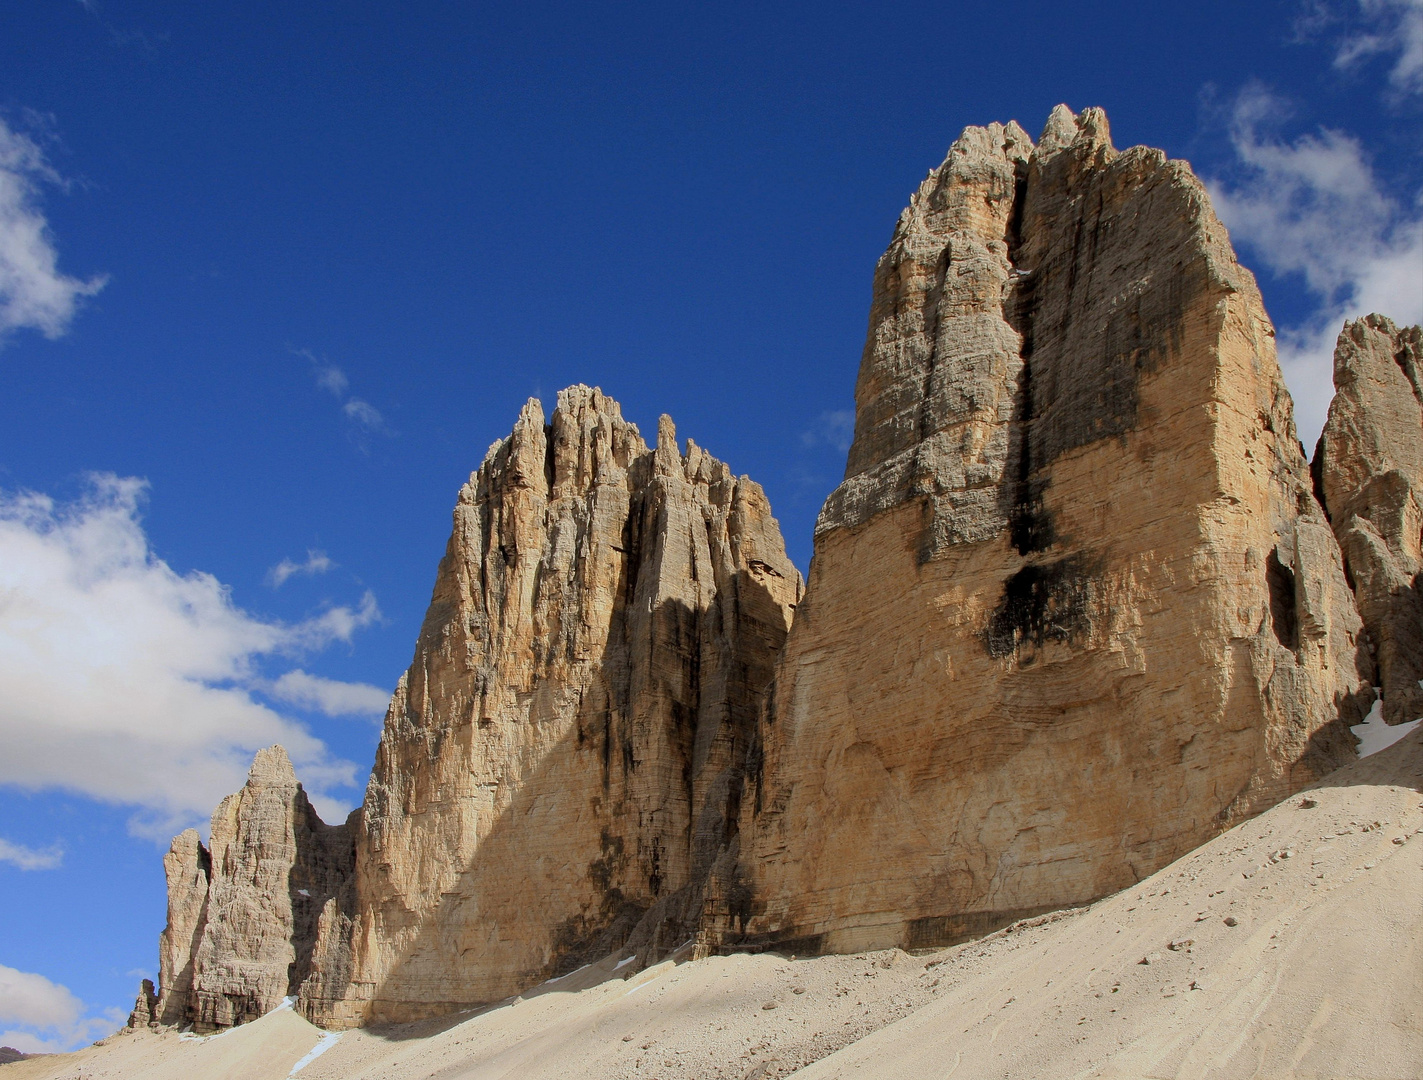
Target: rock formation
(242, 915)
(562, 758)
(1074, 609)
(1369, 468)
(145, 1007)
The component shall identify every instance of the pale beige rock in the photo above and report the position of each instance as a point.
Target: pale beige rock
(562, 761)
(187, 867)
(242, 918)
(1074, 610)
(1370, 469)
(145, 1007)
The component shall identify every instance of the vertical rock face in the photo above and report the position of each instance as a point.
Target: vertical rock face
(188, 869)
(564, 755)
(1074, 608)
(1369, 466)
(242, 916)
(145, 1007)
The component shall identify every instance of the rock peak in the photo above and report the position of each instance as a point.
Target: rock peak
(1068, 394)
(271, 765)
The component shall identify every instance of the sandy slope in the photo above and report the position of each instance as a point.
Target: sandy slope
(1321, 975)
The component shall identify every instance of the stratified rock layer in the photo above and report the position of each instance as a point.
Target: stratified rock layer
(563, 760)
(1369, 465)
(1074, 609)
(242, 915)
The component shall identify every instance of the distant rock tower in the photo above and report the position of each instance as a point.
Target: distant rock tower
(562, 762)
(1369, 465)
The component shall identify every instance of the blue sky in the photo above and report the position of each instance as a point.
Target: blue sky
(274, 276)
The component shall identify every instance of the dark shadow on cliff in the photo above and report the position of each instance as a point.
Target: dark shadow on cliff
(1400, 765)
(596, 762)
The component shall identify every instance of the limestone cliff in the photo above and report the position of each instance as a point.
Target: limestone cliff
(1074, 609)
(1369, 467)
(563, 756)
(242, 913)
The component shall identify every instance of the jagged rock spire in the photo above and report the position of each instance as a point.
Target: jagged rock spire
(1369, 464)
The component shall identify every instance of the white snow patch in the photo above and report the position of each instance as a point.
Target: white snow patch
(624, 963)
(560, 978)
(1374, 735)
(303, 892)
(323, 1044)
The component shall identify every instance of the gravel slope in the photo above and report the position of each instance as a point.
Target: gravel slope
(1290, 946)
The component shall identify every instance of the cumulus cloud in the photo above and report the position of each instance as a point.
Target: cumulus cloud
(126, 681)
(1313, 207)
(33, 292)
(317, 562)
(50, 1018)
(329, 696)
(28, 858)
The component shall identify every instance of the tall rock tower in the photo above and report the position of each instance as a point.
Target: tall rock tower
(1074, 608)
(1369, 466)
(563, 759)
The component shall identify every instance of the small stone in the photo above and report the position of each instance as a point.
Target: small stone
(1231, 920)
(1308, 804)
(768, 1005)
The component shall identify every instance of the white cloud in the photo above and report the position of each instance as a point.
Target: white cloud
(328, 696)
(333, 380)
(1391, 28)
(834, 428)
(28, 858)
(33, 292)
(126, 681)
(51, 1018)
(365, 414)
(317, 562)
(1314, 208)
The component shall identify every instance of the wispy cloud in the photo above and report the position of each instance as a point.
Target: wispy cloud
(317, 562)
(128, 682)
(329, 696)
(365, 414)
(50, 1018)
(835, 428)
(365, 417)
(34, 293)
(1365, 29)
(329, 377)
(1313, 207)
(26, 858)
